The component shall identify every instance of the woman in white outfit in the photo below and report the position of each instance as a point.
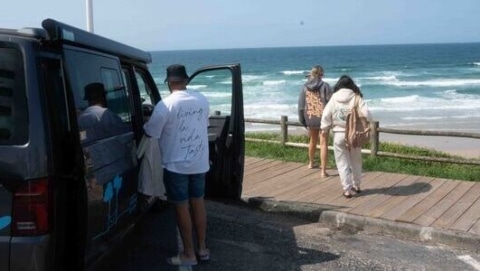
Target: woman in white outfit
(349, 162)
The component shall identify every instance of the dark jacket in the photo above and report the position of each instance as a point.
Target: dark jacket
(313, 98)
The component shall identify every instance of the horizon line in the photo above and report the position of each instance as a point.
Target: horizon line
(312, 46)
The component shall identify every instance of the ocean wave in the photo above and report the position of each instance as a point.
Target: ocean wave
(424, 118)
(196, 87)
(292, 72)
(217, 94)
(447, 100)
(454, 94)
(435, 83)
(330, 81)
(273, 82)
(249, 78)
(438, 117)
(400, 100)
(383, 78)
(270, 111)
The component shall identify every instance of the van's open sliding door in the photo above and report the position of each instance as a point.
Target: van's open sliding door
(222, 85)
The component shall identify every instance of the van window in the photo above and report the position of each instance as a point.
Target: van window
(116, 94)
(101, 74)
(13, 101)
(144, 88)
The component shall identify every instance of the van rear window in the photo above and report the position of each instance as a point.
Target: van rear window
(13, 108)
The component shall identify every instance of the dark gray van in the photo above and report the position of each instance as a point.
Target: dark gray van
(68, 188)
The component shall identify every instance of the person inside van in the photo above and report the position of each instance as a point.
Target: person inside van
(97, 120)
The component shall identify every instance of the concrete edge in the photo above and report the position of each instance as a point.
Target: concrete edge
(355, 223)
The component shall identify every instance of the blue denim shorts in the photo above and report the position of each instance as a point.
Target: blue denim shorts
(182, 187)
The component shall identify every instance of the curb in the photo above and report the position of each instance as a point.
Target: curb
(355, 223)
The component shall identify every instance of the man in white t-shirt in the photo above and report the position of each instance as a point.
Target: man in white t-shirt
(180, 122)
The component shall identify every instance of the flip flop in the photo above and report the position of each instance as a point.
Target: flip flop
(177, 261)
(204, 257)
(357, 190)
(347, 194)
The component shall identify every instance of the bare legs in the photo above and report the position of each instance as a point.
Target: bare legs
(200, 220)
(323, 154)
(314, 135)
(312, 147)
(184, 221)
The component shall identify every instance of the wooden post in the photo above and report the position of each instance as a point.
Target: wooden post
(284, 129)
(374, 136)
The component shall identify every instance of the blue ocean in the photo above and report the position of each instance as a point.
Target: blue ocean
(427, 86)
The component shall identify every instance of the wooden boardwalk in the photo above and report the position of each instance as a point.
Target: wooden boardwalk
(426, 201)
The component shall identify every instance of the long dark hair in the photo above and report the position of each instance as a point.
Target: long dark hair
(346, 81)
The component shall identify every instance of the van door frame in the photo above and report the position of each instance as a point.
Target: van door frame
(227, 179)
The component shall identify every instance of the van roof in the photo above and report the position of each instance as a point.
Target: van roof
(55, 31)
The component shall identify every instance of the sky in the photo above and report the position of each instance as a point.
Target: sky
(217, 24)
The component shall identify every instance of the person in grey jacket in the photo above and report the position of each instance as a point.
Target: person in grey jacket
(311, 102)
(349, 162)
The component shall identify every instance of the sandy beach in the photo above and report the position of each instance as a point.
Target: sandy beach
(464, 147)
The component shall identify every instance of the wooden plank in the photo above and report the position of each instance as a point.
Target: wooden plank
(289, 179)
(273, 171)
(468, 218)
(268, 178)
(255, 161)
(296, 176)
(475, 229)
(444, 204)
(262, 177)
(260, 165)
(370, 180)
(308, 178)
(379, 195)
(456, 210)
(367, 177)
(416, 205)
(255, 171)
(251, 160)
(428, 186)
(298, 190)
(426, 204)
(321, 188)
(396, 195)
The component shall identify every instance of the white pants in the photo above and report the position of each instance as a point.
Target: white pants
(349, 163)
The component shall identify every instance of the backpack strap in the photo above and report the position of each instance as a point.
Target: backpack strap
(355, 103)
(324, 96)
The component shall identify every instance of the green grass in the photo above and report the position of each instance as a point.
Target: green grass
(384, 164)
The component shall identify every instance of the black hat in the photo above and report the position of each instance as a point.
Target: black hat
(94, 91)
(176, 73)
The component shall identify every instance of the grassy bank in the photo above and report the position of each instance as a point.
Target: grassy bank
(385, 164)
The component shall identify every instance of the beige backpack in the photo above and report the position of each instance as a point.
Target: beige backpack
(357, 127)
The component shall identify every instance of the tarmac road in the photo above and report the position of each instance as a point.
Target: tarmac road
(241, 238)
